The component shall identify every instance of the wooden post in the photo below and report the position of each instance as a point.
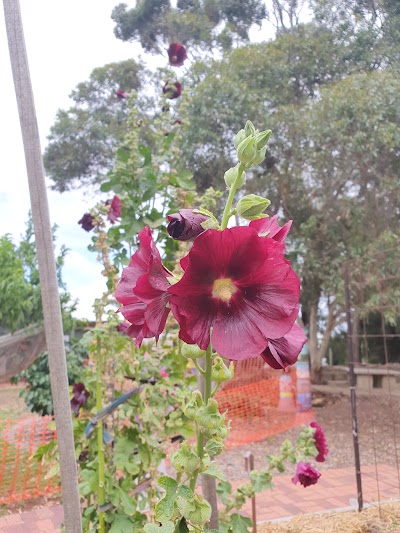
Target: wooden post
(47, 265)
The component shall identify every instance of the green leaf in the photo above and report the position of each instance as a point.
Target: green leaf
(240, 524)
(182, 527)
(166, 507)
(261, 480)
(127, 503)
(168, 527)
(213, 470)
(185, 180)
(121, 524)
(145, 152)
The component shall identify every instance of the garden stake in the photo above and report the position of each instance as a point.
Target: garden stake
(249, 466)
(47, 265)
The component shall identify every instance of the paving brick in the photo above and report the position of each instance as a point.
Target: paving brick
(45, 525)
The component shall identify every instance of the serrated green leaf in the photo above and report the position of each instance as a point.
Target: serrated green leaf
(240, 524)
(127, 503)
(213, 470)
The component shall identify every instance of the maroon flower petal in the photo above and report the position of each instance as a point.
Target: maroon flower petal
(121, 95)
(306, 475)
(284, 352)
(269, 227)
(239, 284)
(142, 291)
(320, 443)
(176, 54)
(115, 209)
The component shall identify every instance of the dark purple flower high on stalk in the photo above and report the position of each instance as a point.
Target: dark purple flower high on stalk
(176, 54)
(121, 95)
(185, 225)
(79, 398)
(87, 222)
(115, 209)
(172, 90)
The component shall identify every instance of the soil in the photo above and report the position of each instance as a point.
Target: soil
(378, 428)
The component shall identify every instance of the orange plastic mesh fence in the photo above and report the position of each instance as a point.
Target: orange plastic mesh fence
(21, 476)
(261, 402)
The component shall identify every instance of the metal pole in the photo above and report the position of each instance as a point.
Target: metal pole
(47, 265)
(249, 466)
(353, 386)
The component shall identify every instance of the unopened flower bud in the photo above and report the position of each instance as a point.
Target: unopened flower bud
(214, 446)
(251, 206)
(185, 459)
(262, 139)
(246, 150)
(260, 156)
(249, 129)
(192, 351)
(223, 431)
(186, 225)
(208, 416)
(191, 408)
(239, 137)
(220, 372)
(231, 176)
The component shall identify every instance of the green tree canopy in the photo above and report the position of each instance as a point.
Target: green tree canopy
(83, 138)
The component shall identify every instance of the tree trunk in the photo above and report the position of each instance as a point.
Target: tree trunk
(315, 359)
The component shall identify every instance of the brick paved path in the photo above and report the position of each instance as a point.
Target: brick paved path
(335, 489)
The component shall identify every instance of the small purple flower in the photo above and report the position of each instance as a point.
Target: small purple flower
(87, 222)
(185, 225)
(306, 475)
(121, 95)
(115, 209)
(80, 397)
(172, 90)
(320, 443)
(176, 54)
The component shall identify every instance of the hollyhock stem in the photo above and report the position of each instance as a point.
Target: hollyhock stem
(227, 211)
(206, 396)
(196, 364)
(100, 449)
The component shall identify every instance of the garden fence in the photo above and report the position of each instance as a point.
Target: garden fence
(22, 477)
(372, 288)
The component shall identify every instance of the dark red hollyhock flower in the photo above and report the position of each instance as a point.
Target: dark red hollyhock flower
(320, 443)
(80, 397)
(185, 225)
(176, 54)
(115, 209)
(87, 222)
(142, 291)
(172, 90)
(306, 475)
(269, 227)
(121, 94)
(284, 352)
(240, 285)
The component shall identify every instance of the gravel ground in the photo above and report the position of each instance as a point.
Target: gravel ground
(378, 424)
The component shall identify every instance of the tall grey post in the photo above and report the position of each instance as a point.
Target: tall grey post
(47, 265)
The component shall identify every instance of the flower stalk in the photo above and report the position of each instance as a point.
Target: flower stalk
(100, 445)
(232, 191)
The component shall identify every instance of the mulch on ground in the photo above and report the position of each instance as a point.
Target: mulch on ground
(383, 519)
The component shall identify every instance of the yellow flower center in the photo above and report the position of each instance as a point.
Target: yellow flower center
(223, 289)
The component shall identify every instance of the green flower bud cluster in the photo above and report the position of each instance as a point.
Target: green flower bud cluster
(214, 446)
(185, 459)
(251, 145)
(251, 207)
(220, 372)
(210, 420)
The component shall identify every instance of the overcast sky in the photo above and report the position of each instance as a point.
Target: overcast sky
(65, 42)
